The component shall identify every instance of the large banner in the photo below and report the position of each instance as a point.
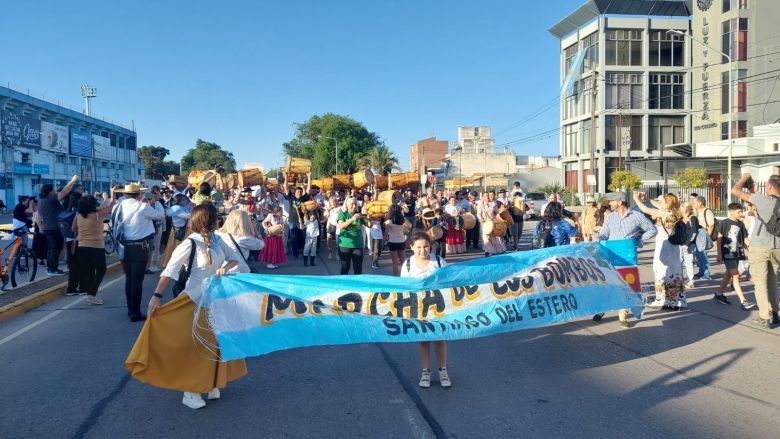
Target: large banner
(20, 130)
(103, 148)
(254, 314)
(80, 142)
(55, 137)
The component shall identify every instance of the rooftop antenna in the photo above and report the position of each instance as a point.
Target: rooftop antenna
(88, 93)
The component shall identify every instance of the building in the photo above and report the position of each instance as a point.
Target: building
(629, 96)
(45, 143)
(427, 153)
(476, 140)
(475, 155)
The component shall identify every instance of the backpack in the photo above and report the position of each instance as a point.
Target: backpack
(544, 238)
(409, 263)
(117, 219)
(773, 224)
(184, 272)
(679, 235)
(65, 221)
(714, 234)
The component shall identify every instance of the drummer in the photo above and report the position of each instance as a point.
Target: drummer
(408, 204)
(486, 212)
(455, 233)
(428, 201)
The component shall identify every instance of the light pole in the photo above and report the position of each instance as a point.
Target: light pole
(731, 93)
(337, 151)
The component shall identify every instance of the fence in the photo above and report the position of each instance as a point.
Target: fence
(718, 195)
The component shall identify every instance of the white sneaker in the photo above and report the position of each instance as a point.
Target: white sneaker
(444, 377)
(425, 379)
(656, 304)
(269, 266)
(214, 394)
(193, 400)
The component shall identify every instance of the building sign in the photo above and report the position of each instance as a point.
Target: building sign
(705, 73)
(80, 142)
(29, 168)
(103, 148)
(86, 172)
(55, 137)
(20, 130)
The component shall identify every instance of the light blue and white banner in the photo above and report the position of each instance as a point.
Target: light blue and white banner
(254, 314)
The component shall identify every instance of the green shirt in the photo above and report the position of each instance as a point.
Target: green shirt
(352, 235)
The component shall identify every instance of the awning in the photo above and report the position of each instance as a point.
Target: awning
(593, 8)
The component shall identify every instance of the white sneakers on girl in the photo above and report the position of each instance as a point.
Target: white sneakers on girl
(193, 400)
(214, 394)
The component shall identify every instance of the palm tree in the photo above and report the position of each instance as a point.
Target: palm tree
(380, 160)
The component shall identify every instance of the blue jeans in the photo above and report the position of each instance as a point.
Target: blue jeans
(702, 263)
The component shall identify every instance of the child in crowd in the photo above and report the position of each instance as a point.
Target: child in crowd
(377, 236)
(732, 242)
(421, 265)
(312, 232)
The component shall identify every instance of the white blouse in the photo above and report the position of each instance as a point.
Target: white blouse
(221, 252)
(246, 244)
(417, 272)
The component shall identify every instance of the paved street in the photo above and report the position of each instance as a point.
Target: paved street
(701, 373)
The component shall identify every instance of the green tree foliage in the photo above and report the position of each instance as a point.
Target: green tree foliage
(691, 178)
(380, 160)
(313, 141)
(155, 165)
(624, 180)
(207, 155)
(565, 195)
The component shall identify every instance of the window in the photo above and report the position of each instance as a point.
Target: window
(586, 134)
(616, 129)
(74, 161)
(667, 91)
(624, 47)
(59, 158)
(112, 138)
(624, 90)
(569, 54)
(570, 176)
(591, 46)
(570, 133)
(740, 92)
(739, 129)
(666, 49)
(580, 100)
(612, 164)
(665, 131)
(726, 5)
(734, 40)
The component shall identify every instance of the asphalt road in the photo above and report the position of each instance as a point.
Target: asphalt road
(701, 373)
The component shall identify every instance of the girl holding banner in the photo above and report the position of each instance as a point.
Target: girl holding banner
(172, 351)
(421, 265)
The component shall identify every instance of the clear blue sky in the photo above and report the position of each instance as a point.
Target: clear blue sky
(239, 73)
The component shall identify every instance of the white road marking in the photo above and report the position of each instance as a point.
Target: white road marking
(54, 314)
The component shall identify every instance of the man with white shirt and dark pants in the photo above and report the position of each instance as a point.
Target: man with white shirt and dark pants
(137, 220)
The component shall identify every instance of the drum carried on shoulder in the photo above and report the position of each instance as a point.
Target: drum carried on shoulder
(363, 178)
(377, 210)
(469, 221)
(435, 232)
(276, 230)
(499, 228)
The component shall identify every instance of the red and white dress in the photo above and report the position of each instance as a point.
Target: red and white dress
(273, 252)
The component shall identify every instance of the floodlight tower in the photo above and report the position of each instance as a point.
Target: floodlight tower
(88, 93)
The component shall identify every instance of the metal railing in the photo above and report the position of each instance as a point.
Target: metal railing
(718, 195)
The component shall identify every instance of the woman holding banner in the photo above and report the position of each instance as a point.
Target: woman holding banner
(165, 353)
(351, 237)
(421, 265)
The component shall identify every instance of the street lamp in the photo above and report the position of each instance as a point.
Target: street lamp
(731, 93)
(337, 151)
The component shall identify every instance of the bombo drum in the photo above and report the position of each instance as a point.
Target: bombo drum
(376, 210)
(309, 206)
(506, 215)
(362, 179)
(469, 221)
(499, 228)
(407, 227)
(487, 227)
(389, 197)
(435, 232)
(276, 230)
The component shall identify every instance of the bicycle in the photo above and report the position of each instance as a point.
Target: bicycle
(21, 262)
(108, 237)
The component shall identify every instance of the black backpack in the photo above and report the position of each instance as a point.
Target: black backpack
(714, 234)
(544, 238)
(65, 221)
(184, 272)
(680, 234)
(773, 224)
(409, 263)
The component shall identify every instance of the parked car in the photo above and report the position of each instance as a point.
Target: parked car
(534, 201)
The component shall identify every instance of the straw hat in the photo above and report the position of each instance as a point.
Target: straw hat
(131, 188)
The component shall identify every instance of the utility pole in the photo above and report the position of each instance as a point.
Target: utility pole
(593, 128)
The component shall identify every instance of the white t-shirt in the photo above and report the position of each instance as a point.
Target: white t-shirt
(395, 232)
(414, 271)
(376, 230)
(312, 229)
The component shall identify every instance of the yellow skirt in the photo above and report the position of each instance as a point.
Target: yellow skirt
(171, 245)
(167, 355)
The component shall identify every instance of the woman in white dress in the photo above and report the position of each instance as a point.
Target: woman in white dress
(240, 234)
(668, 258)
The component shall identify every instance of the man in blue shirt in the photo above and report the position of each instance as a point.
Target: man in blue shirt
(624, 223)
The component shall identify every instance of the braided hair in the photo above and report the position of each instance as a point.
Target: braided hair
(204, 221)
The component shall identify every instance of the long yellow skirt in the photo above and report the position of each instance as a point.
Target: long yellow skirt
(167, 355)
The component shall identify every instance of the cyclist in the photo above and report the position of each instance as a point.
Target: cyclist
(23, 218)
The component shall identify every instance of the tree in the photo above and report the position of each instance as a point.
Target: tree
(624, 180)
(155, 165)
(691, 178)
(207, 155)
(380, 160)
(565, 195)
(314, 140)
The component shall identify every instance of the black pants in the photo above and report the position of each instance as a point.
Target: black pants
(54, 241)
(74, 272)
(472, 236)
(442, 250)
(353, 256)
(92, 265)
(134, 265)
(296, 240)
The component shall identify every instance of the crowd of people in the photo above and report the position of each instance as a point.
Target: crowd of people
(192, 234)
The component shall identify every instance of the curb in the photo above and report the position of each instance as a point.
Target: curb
(42, 297)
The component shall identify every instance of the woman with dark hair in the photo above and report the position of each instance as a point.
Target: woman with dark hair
(552, 230)
(88, 230)
(72, 248)
(395, 237)
(50, 207)
(165, 354)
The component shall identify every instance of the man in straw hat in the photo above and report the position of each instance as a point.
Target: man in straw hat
(137, 219)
